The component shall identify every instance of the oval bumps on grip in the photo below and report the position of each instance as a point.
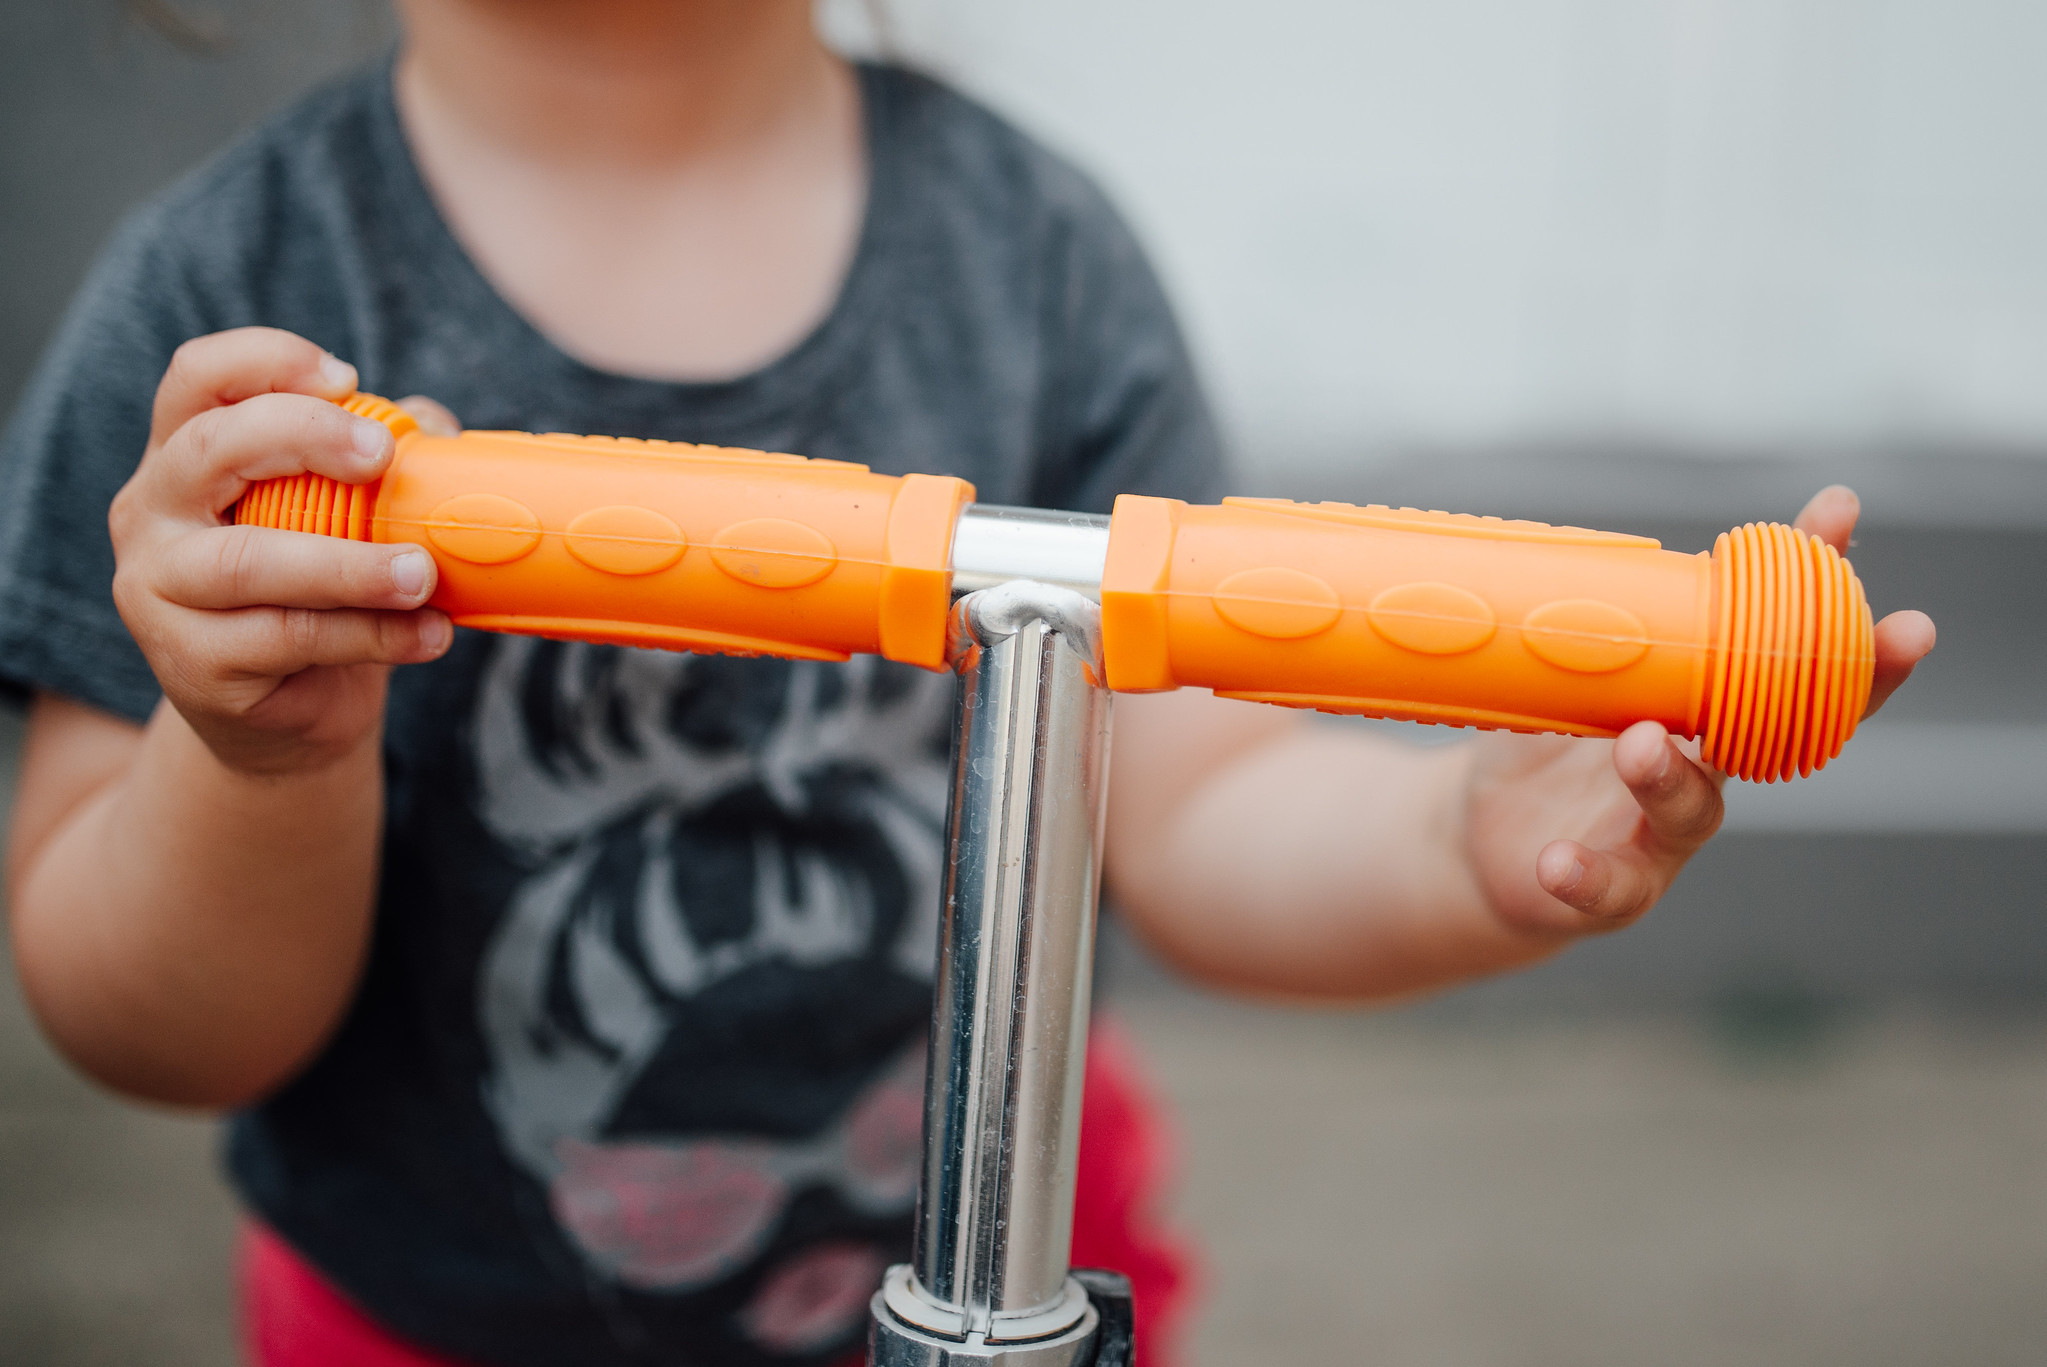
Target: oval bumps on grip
(1433, 619)
(774, 553)
(484, 529)
(624, 539)
(1585, 635)
(1277, 603)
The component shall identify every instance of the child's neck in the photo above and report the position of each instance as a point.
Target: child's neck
(665, 187)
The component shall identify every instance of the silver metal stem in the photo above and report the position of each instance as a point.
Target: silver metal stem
(1016, 948)
(992, 545)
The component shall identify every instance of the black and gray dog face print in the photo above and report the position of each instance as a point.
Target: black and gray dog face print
(704, 999)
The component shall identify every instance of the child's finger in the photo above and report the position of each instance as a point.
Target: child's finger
(1831, 515)
(1611, 886)
(1903, 639)
(228, 367)
(239, 567)
(270, 643)
(1679, 799)
(211, 460)
(435, 418)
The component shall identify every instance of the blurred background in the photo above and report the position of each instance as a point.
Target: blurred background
(1654, 265)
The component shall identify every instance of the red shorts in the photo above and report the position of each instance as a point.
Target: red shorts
(293, 1317)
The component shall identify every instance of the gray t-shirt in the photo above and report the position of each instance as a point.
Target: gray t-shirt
(633, 1075)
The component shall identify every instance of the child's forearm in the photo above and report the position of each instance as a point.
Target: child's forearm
(185, 932)
(192, 901)
(1309, 861)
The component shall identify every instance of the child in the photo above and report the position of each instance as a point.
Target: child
(570, 997)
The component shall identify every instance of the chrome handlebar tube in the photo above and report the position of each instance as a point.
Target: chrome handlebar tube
(989, 1280)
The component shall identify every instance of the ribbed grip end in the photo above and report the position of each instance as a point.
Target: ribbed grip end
(1795, 652)
(315, 503)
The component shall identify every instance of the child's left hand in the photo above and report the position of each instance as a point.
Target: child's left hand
(1260, 851)
(1570, 837)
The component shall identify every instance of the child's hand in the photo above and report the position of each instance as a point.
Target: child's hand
(273, 645)
(1632, 810)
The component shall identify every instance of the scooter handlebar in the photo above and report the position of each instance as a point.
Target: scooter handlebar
(652, 543)
(1764, 649)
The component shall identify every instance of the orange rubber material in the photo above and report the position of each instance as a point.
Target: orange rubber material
(1764, 649)
(651, 543)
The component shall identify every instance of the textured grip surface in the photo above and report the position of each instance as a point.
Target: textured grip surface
(1764, 649)
(1794, 653)
(652, 543)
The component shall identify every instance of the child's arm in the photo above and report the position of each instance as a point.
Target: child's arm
(1260, 851)
(191, 900)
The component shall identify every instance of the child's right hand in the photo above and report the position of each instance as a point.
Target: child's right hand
(273, 645)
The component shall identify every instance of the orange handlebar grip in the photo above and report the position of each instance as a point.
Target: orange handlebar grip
(1764, 649)
(655, 544)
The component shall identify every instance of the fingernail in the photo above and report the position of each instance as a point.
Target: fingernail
(1573, 876)
(372, 439)
(409, 572)
(1661, 769)
(435, 632)
(336, 372)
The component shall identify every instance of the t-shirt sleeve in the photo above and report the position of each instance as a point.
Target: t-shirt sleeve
(1129, 403)
(77, 435)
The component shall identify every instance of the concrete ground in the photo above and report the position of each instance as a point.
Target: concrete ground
(115, 1228)
(1619, 1190)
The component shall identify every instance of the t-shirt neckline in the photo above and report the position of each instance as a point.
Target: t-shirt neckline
(740, 401)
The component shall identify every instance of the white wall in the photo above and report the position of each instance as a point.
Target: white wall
(1702, 225)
